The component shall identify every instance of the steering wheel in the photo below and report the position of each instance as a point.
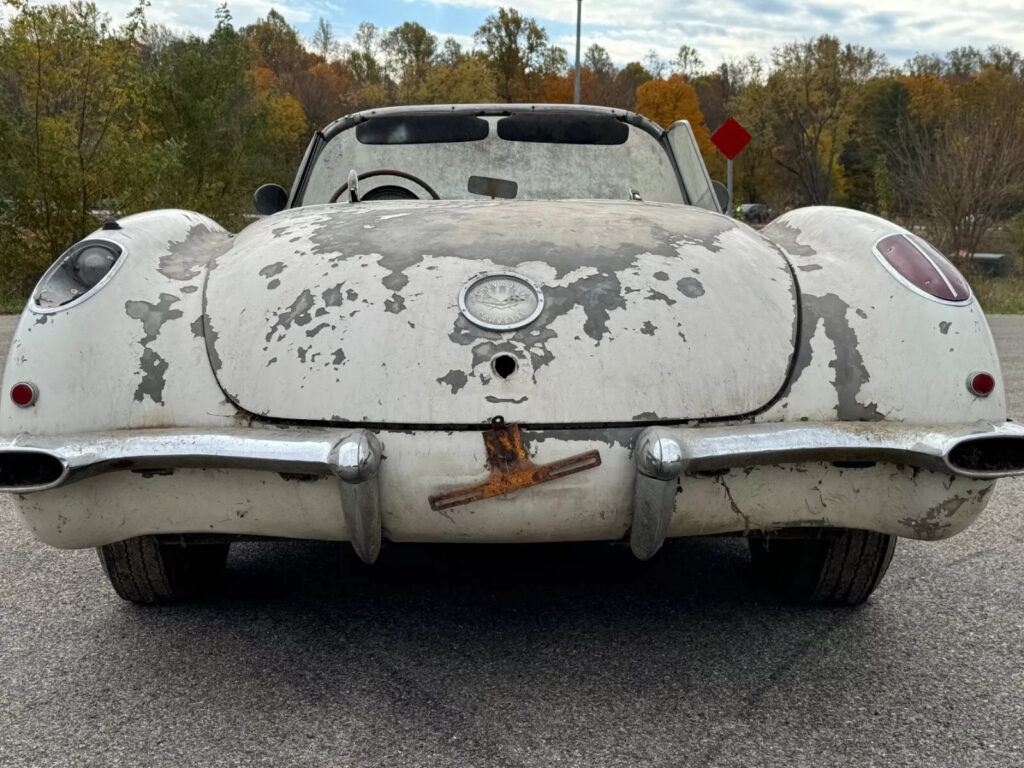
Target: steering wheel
(385, 172)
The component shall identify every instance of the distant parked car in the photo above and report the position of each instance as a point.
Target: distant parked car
(503, 323)
(756, 213)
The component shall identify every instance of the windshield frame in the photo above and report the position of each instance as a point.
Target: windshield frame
(321, 138)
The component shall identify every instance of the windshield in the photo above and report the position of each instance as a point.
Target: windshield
(526, 156)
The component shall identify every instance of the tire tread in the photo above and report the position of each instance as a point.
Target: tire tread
(844, 569)
(145, 570)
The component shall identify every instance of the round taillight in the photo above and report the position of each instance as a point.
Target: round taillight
(981, 383)
(24, 394)
(921, 267)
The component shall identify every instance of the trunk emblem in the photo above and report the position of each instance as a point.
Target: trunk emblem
(501, 301)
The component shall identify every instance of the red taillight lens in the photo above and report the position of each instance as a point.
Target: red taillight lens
(922, 267)
(23, 394)
(981, 384)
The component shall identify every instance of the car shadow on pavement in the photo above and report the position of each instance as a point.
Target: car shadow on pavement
(461, 651)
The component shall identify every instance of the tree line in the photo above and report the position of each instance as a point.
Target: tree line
(98, 118)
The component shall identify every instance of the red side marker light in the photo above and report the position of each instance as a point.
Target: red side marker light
(24, 394)
(981, 384)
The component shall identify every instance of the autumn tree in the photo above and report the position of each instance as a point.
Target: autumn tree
(627, 81)
(467, 81)
(70, 98)
(409, 50)
(688, 63)
(275, 43)
(963, 171)
(666, 101)
(812, 92)
(518, 53)
(325, 44)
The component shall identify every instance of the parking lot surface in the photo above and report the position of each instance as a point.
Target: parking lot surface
(521, 656)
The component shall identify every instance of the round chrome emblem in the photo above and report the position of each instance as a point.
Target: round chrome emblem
(501, 301)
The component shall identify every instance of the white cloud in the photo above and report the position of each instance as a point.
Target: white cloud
(724, 29)
(719, 29)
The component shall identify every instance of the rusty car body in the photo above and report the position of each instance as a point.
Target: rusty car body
(502, 323)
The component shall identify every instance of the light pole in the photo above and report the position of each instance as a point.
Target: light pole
(576, 86)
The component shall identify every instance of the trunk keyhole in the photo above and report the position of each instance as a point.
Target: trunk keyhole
(504, 365)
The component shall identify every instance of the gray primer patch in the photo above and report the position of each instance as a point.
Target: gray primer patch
(661, 276)
(944, 327)
(211, 343)
(153, 316)
(851, 374)
(611, 243)
(690, 287)
(653, 295)
(395, 281)
(513, 400)
(338, 357)
(297, 313)
(809, 267)
(454, 379)
(395, 304)
(185, 260)
(273, 269)
(862, 314)
(189, 288)
(197, 327)
(929, 526)
(153, 368)
(645, 416)
(273, 284)
(314, 331)
(623, 437)
(42, 319)
(333, 296)
(648, 328)
(786, 236)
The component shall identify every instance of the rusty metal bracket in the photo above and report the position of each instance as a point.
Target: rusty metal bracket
(511, 468)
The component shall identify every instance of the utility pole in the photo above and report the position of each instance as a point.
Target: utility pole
(576, 86)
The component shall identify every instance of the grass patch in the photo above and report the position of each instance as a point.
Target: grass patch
(999, 295)
(12, 305)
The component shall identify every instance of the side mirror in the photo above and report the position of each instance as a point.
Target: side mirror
(269, 199)
(724, 200)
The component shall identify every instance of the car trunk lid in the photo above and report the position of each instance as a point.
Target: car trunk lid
(351, 313)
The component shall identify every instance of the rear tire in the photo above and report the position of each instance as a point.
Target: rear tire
(843, 568)
(146, 569)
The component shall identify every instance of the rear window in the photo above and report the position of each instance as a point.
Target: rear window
(422, 129)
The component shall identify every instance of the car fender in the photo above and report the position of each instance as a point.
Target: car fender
(870, 346)
(132, 352)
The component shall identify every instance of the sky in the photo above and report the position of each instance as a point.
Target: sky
(719, 29)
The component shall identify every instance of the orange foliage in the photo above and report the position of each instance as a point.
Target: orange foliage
(558, 89)
(930, 97)
(665, 101)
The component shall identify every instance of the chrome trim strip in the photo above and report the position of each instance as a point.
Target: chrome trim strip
(352, 455)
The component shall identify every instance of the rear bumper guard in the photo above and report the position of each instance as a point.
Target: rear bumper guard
(662, 455)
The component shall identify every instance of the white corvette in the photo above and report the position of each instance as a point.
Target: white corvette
(502, 323)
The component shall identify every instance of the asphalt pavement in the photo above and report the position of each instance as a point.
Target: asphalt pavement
(521, 656)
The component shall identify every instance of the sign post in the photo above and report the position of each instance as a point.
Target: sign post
(730, 139)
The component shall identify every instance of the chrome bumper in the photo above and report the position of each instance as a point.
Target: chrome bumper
(661, 455)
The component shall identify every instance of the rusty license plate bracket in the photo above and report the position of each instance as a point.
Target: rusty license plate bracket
(511, 468)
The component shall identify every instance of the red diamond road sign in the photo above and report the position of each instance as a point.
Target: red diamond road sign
(730, 138)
